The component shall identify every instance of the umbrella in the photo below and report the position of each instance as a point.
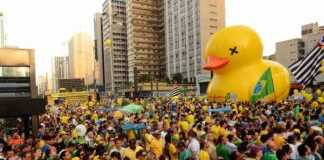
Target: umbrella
(132, 108)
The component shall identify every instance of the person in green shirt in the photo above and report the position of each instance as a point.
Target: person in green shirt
(185, 154)
(221, 149)
(270, 151)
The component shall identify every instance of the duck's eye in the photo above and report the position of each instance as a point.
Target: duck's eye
(233, 50)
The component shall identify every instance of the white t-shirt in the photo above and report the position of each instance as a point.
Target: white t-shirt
(194, 146)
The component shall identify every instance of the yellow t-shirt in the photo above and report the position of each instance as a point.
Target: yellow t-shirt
(156, 146)
(173, 152)
(64, 119)
(203, 155)
(131, 154)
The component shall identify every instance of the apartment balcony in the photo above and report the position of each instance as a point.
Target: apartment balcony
(145, 6)
(141, 46)
(147, 19)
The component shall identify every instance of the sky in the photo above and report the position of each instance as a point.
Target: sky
(47, 25)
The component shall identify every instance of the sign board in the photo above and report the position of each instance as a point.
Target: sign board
(204, 77)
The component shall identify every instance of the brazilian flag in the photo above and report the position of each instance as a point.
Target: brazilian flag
(264, 86)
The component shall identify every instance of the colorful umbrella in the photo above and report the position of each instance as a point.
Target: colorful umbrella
(132, 108)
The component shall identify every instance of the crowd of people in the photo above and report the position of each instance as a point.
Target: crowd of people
(183, 128)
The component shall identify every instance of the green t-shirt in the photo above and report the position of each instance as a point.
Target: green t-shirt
(223, 151)
(269, 156)
(184, 155)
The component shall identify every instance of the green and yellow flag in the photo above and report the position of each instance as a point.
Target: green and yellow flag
(264, 86)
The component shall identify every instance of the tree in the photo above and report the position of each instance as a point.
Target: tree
(185, 81)
(177, 77)
(144, 78)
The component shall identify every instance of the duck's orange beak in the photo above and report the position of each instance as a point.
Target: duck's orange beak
(214, 62)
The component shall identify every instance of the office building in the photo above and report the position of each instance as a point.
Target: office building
(145, 39)
(188, 26)
(115, 46)
(41, 85)
(60, 70)
(81, 57)
(311, 34)
(18, 86)
(72, 84)
(289, 51)
(17, 73)
(2, 32)
(98, 51)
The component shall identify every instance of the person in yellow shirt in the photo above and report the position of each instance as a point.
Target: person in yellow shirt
(173, 152)
(131, 151)
(203, 153)
(156, 144)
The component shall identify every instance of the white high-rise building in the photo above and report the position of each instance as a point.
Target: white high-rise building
(60, 70)
(188, 26)
(2, 32)
(115, 51)
(81, 57)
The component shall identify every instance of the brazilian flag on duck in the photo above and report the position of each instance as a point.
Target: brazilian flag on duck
(264, 87)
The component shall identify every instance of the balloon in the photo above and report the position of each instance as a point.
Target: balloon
(214, 129)
(205, 108)
(81, 130)
(184, 126)
(191, 119)
(308, 97)
(279, 141)
(118, 115)
(120, 101)
(318, 92)
(227, 54)
(320, 99)
(314, 104)
(108, 43)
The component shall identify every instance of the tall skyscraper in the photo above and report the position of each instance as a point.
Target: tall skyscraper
(81, 57)
(188, 26)
(99, 53)
(2, 33)
(145, 38)
(115, 45)
(60, 70)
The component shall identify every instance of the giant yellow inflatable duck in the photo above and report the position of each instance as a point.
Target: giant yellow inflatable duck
(234, 55)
